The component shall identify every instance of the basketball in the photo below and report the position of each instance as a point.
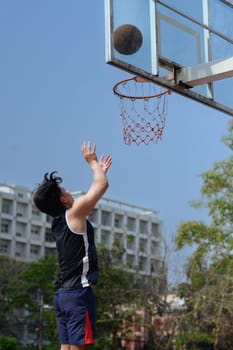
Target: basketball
(127, 39)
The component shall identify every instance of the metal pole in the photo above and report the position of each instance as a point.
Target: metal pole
(40, 328)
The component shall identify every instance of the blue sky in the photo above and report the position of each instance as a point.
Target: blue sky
(56, 92)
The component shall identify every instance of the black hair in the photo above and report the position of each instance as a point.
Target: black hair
(47, 195)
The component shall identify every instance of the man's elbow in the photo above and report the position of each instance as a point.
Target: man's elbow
(105, 185)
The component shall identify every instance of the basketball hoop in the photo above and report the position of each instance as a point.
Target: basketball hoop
(143, 110)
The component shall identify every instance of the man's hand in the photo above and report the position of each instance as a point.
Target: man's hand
(89, 152)
(105, 162)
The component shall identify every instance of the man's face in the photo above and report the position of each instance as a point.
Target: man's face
(66, 198)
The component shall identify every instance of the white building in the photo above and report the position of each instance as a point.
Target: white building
(25, 232)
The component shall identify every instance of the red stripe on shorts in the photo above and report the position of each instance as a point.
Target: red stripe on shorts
(88, 330)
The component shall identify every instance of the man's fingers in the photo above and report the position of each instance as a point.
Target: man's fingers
(86, 147)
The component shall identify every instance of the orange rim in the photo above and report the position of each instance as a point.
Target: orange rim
(138, 80)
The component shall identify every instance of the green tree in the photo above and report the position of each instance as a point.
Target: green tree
(123, 300)
(35, 295)
(9, 343)
(121, 296)
(209, 288)
(10, 271)
(114, 290)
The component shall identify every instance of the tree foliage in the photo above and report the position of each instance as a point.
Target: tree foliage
(35, 293)
(26, 299)
(209, 288)
(123, 300)
(127, 300)
(9, 343)
(10, 271)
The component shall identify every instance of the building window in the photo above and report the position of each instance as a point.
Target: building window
(130, 242)
(155, 230)
(7, 206)
(49, 235)
(142, 264)
(118, 221)
(21, 229)
(93, 217)
(118, 247)
(34, 250)
(155, 266)
(36, 214)
(21, 210)
(154, 248)
(143, 226)
(130, 261)
(106, 237)
(20, 249)
(4, 246)
(105, 218)
(35, 230)
(119, 239)
(131, 224)
(5, 226)
(142, 245)
(49, 219)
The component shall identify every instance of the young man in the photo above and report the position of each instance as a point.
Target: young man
(74, 299)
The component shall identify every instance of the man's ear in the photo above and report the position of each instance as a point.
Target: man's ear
(62, 199)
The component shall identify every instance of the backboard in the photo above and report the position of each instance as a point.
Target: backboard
(185, 46)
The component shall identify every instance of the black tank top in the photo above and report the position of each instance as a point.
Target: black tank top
(77, 255)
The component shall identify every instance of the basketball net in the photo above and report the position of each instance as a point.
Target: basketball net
(143, 110)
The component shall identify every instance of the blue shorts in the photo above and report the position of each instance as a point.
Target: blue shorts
(75, 312)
